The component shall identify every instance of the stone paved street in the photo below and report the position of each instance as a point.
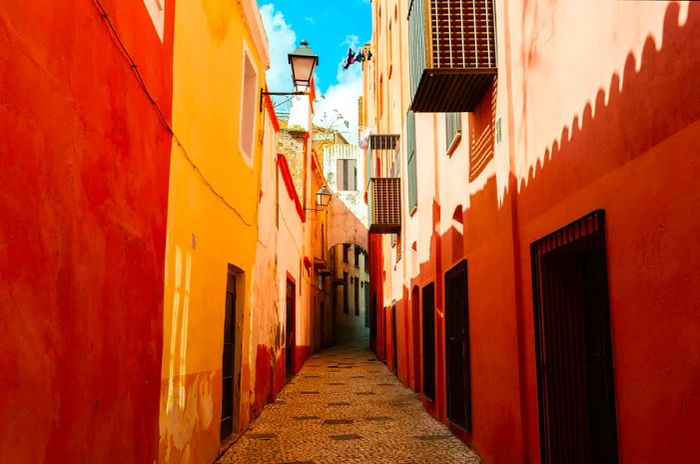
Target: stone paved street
(344, 406)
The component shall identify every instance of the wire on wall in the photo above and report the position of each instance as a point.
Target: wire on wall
(161, 117)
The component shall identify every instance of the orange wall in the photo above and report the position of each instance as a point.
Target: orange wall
(599, 109)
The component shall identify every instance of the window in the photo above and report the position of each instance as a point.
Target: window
(346, 289)
(358, 252)
(248, 110)
(357, 299)
(156, 10)
(411, 146)
(346, 251)
(398, 247)
(453, 129)
(391, 50)
(380, 106)
(346, 170)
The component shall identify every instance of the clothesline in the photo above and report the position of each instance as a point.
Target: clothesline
(360, 56)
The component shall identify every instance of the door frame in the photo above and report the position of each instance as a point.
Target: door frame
(466, 361)
(290, 329)
(237, 327)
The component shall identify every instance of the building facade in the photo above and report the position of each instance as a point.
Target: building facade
(83, 228)
(541, 280)
(343, 168)
(159, 266)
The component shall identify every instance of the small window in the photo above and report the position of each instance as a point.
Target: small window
(453, 130)
(358, 252)
(412, 178)
(156, 10)
(248, 110)
(357, 299)
(346, 252)
(346, 174)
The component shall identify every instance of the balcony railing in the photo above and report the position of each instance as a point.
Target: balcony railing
(384, 189)
(385, 205)
(453, 54)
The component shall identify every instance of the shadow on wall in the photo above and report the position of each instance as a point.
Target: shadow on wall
(632, 157)
(344, 226)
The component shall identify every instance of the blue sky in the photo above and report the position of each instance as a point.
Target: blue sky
(330, 27)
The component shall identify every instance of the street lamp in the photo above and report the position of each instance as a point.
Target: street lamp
(303, 63)
(323, 197)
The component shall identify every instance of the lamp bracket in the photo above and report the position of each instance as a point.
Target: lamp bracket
(264, 93)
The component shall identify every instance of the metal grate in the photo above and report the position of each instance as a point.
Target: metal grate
(384, 149)
(573, 344)
(457, 347)
(385, 205)
(463, 34)
(453, 55)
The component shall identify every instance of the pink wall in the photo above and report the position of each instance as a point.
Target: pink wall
(599, 109)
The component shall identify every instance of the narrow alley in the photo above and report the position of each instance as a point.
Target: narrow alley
(341, 407)
(367, 231)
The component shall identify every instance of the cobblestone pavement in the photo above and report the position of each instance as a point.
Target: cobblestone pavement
(344, 406)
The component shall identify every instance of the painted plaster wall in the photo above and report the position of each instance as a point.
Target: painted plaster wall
(82, 231)
(322, 330)
(212, 222)
(267, 317)
(289, 251)
(582, 130)
(354, 200)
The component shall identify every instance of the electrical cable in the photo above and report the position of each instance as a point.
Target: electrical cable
(142, 84)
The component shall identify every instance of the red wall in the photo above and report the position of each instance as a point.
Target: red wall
(83, 202)
(636, 159)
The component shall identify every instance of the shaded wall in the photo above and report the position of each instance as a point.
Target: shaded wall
(582, 130)
(82, 231)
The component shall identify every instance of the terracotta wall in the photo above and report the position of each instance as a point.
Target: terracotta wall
(598, 110)
(82, 231)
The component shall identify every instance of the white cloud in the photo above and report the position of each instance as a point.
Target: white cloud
(339, 103)
(282, 39)
(334, 106)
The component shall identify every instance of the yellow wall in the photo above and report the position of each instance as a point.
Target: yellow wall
(212, 217)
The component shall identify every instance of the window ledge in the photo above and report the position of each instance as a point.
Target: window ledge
(455, 143)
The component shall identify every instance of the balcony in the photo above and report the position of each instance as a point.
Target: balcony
(384, 198)
(453, 54)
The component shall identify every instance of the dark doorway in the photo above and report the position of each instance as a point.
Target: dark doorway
(457, 353)
(229, 390)
(290, 328)
(395, 348)
(429, 341)
(323, 324)
(576, 389)
(373, 323)
(415, 342)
